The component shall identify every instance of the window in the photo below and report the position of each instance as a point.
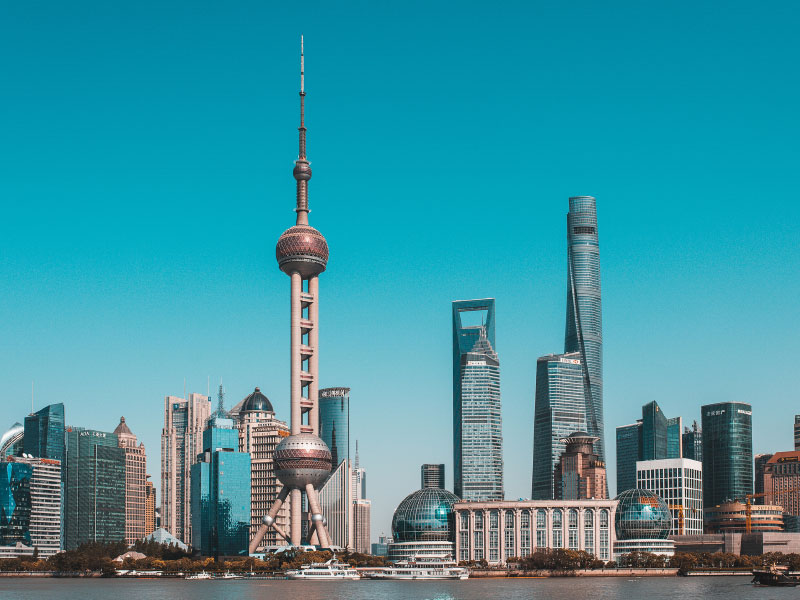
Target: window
(558, 532)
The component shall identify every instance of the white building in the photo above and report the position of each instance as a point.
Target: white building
(679, 482)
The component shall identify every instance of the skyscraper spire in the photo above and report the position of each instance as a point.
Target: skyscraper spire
(302, 168)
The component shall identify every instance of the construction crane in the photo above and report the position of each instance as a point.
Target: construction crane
(679, 508)
(748, 511)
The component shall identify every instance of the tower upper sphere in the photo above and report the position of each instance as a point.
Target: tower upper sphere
(303, 249)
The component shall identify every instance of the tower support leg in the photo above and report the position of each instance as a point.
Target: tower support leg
(313, 504)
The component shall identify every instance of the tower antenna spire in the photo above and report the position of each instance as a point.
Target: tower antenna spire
(302, 168)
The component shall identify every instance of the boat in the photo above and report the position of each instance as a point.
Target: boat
(229, 575)
(329, 570)
(774, 576)
(200, 575)
(422, 567)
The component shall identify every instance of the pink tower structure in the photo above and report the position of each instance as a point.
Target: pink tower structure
(302, 460)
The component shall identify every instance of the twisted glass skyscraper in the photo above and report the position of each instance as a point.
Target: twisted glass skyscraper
(584, 330)
(477, 423)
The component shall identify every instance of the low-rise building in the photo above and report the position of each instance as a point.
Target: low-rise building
(732, 517)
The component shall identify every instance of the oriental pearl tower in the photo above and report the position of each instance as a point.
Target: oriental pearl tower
(302, 460)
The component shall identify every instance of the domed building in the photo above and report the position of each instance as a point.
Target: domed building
(423, 523)
(642, 523)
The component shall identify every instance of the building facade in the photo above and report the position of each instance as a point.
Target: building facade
(693, 442)
(423, 524)
(579, 473)
(135, 483)
(759, 469)
(432, 476)
(781, 481)
(181, 443)
(732, 517)
(584, 328)
(629, 451)
(679, 482)
(560, 409)
(11, 442)
(477, 420)
(44, 524)
(334, 422)
(727, 452)
(259, 434)
(797, 432)
(15, 503)
(362, 510)
(498, 531)
(336, 501)
(94, 488)
(44, 433)
(149, 507)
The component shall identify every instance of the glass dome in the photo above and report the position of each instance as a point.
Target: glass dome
(641, 515)
(426, 515)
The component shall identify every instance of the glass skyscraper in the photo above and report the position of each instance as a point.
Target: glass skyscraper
(727, 452)
(44, 433)
(560, 410)
(94, 478)
(334, 422)
(629, 451)
(477, 422)
(693, 442)
(584, 330)
(15, 503)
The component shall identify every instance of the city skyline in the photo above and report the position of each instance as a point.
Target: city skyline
(115, 309)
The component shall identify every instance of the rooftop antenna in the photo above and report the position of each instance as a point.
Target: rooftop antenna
(356, 454)
(221, 400)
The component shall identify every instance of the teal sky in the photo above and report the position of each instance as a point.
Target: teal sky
(145, 176)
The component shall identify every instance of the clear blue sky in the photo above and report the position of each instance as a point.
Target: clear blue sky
(145, 176)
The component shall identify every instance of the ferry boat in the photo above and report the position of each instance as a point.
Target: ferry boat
(774, 576)
(422, 567)
(327, 571)
(200, 575)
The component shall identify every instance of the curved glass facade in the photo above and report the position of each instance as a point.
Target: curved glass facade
(641, 514)
(584, 329)
(334, 423)
(727, 452)
(44, 433)
(425, 515)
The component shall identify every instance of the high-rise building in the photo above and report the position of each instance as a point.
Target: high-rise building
(94, 481)
(629, 450)
(584, 329)
(727, 452)
(359, 479)
(303, 460)
(781, 480)
(679, 482)
(135, 483)
(149, 507)
(797, 432)
(381, 548)
(220, 492)
(11, 442)
(334, 422)
(674, 439)
(259, 434)
(579, 473)
(654, 432)
(44, 524)
(759, 469)
(44, 433)
(15, 503)
(477, 421)
(560, 409)
(693, 442)
(181, 442)
(336, 502)
(432, 475)
(361, 525)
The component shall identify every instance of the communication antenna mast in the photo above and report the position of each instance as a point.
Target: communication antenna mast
(221, 400)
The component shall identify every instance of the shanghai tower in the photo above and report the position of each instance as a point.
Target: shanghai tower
(584, 330)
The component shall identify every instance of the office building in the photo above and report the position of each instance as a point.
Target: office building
(693, 442)
(135, 483)
(94, 482)
(477, 422)
(497, 531)
(359, 478)
(732, 517)
(259, 434)
(15, 503)
(727, 452)
(336, 503)
(334, 422)
(149, 507)
(381, 548)
(44, 524)
(220, 492)
(432, 475)
(584, 328)
(797, 432)
(579, 473)
(44, 433)
(629, 451)
(11, 443)
(181, 442)
(781, 481)
(679, 482)
(361, 525)
(759, 468)
(560, 409)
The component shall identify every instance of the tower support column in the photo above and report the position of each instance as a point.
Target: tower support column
(313, 341)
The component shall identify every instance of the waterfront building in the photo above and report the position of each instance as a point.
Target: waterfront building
(629, 451)
(181, 442)
(336, 502)
(15, 503)
(731, 542)
(727, 452)
(94, 482)
(220, 492)
(422, 524)
(732, 517)
(44, 525)
(432, 475)
(334, 422)
(584, 327)
(149, 507)
(381, 548)
(797, 432)
(497, 531)
(259, 434)
(780, 481)
(579, 473)
(679, 482)
(135, 483)
(642, 524)
(362, 510)
(11, 443)
(477, 421)
(44, 433)
(560, 409)
(693, 442)
(759, 468)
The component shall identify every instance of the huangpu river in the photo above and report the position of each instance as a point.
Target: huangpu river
(570, 588)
